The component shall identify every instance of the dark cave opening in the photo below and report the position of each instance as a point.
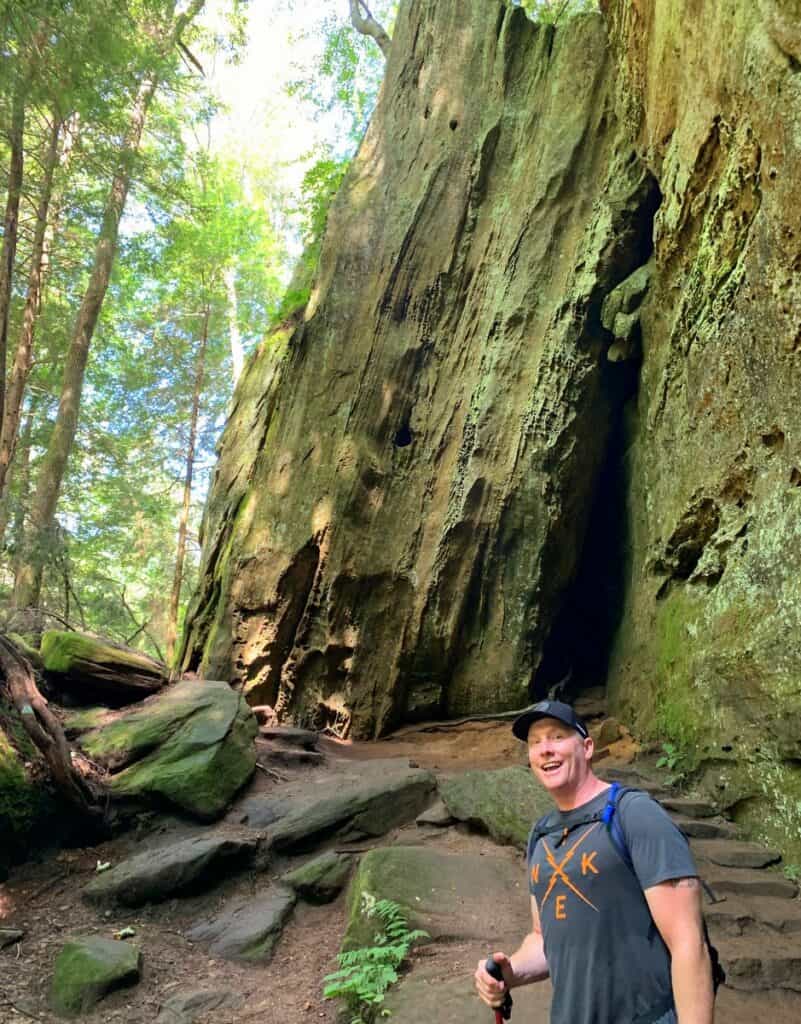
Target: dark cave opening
(578, 648)
(579, 645)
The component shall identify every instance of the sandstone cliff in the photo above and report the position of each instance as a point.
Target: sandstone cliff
(540, 412)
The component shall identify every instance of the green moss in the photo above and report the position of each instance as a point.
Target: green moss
(21, 800)
(62, 650)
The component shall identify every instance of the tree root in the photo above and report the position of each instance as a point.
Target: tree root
(45, 730)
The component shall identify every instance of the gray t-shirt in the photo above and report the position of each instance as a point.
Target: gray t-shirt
(607, 961)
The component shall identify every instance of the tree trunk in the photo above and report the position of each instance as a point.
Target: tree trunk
(175, 597)
(23, 359)
(23, 468)
(28, 585)
(10, 227)
(237, 352)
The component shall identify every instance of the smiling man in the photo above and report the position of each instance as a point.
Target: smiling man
(622, 944)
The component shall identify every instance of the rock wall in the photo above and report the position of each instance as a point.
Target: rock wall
(545, 389)
(406, 478)
(708, 653)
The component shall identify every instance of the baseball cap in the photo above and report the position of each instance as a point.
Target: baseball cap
(548, 709)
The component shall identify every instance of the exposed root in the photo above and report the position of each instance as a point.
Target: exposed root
(44, 728)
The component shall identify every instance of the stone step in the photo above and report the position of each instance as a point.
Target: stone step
(736, 916)
(628, 776)
(770, 964)
(745, 882)
(731, 853)
(689, 807)
(705, 828)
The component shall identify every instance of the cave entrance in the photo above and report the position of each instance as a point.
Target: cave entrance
(578, 648)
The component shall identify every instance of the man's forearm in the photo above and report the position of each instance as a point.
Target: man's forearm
(529, 963)
(693, 995)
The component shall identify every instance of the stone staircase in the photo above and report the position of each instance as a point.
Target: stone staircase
(755, 917)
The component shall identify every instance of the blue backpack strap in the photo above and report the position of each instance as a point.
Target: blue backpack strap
(612, 822)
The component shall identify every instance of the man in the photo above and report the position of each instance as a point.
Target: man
(623, 946)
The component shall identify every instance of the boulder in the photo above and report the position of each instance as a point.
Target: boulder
(182, 867)
(321, 879)
(89, 967)
(246, 930)
(8, 936)
(91, 669)
(191, 746)
(437, 815)
(451, 896)
(504, 803)
(390, 795)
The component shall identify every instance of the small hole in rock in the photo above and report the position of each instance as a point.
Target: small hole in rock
(727, 747)
(795, 477)
(403, 437)
(427, 113)
(453, 124)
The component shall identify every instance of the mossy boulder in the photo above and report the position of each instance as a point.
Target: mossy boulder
(89, 967)
(191, 746)
(93, 669)
(321, 879)
(451, 896)
(22, 799)
(504, 803)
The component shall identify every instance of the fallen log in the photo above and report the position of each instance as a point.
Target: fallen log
(94, 670)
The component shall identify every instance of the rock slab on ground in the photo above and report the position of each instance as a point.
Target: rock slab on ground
(89, 967)
(246, 930)
(390, 795)
(191, 745)
(321, 879)
(451, 896)
(504, 803)
(186, 1007)
(182, 867)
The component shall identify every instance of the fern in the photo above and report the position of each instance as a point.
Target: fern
(365, 974)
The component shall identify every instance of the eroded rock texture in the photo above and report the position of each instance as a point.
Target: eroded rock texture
(406, 479)
(541, 412)
(708, 653)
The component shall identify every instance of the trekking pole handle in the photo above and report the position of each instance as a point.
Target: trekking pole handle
(504, 1011)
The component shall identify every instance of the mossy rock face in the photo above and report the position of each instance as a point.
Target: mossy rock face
(191, 746)
(504, 803)
(98, 670)
(87, 969)
(22, 801)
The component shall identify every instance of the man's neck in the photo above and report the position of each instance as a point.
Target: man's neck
(589, 788)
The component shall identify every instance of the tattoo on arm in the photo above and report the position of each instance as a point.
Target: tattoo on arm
(684, 883)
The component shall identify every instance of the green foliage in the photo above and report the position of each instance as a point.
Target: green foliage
(366, 973)
(793, 872)
(675, 761)
(552, 12)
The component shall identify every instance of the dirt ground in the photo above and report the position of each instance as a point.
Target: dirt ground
(44, 900)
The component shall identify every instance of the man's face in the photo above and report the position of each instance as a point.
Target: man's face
(558, 756)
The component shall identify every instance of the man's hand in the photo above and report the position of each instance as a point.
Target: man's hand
(490, 991)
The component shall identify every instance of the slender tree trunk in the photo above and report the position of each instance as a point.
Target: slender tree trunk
(23, 358)
(237, 352)
(28, 585)
(22, 468)
(10, 227)
(175, 597)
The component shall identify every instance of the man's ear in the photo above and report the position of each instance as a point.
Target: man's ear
(589, 747)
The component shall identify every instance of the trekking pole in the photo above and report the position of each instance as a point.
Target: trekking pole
(504, 1011)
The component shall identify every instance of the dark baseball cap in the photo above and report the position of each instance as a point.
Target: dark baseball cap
(548, 709)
